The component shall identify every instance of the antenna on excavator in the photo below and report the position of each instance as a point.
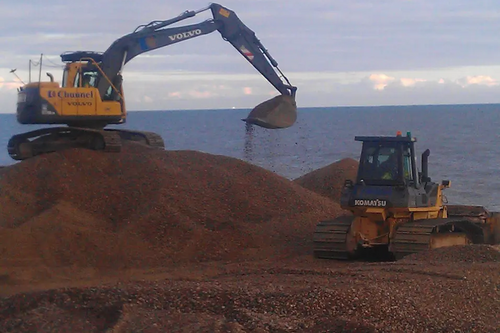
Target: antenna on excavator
(13, 71)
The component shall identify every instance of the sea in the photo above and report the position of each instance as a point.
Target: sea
(463, 140)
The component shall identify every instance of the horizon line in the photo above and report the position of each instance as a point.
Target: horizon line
(306, 107)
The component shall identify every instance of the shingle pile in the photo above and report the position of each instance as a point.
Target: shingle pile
(145, 207)
(185, 234)
(329, 180)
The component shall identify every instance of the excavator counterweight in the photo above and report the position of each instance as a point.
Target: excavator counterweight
(91, 95)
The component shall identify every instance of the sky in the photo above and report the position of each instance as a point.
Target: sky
(337, 52)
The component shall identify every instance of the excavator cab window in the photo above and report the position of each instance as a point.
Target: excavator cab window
(65, 77)
(109, 92)
(89, 79)
(113, 94)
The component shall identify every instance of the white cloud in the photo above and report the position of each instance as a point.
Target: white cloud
(480, 80)
(9, 85)
(200, 94)
(175, 94)
(408, 82)
(380, 81)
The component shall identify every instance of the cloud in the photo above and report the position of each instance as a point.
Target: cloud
(176, 94)
(479, 80)
(326, 90)
(408, 82)
(247, 90)
(9, 85)
(348, 52)
(200, 94)
(380, 81)
(342, 36)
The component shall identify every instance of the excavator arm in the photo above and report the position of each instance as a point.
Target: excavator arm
(90, 96)
(157, 34)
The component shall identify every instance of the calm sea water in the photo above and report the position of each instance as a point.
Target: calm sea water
(463, 140)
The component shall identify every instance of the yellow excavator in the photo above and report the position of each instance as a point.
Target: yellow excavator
(91, 97)
(396, 210)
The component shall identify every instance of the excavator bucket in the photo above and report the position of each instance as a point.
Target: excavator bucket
(278, 112)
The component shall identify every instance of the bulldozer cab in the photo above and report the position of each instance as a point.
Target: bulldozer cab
(388, 176)
(387, 161)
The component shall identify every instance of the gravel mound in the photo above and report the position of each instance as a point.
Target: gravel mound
(182, 232)
(145, 207)
(329, 180)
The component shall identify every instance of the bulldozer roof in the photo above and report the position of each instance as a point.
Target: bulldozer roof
(385, 138)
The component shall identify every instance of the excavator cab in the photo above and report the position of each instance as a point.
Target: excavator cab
(82, 70)
(77, 101)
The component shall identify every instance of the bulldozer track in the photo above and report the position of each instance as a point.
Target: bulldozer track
(47, 140)
(330, 238)
(414, 237)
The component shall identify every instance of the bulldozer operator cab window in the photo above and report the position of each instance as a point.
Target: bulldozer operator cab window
(383, 164)
(407, 164)
(379, 164)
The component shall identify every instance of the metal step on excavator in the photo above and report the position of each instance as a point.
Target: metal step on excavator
(397, 210)
(91, 97)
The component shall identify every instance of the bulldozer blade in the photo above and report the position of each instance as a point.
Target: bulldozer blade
(275, 113)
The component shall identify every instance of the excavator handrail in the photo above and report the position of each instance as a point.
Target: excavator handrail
(184, 15)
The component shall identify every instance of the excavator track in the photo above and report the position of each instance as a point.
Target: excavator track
(330, 238)
(149, 138)
(414, 237)
(47, 140)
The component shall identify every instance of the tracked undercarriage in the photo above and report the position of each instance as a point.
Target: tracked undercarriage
(465, 225)
(47, 140)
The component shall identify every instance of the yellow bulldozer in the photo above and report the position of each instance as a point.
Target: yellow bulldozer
(397, 210)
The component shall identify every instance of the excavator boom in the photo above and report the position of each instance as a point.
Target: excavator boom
(156, 35)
